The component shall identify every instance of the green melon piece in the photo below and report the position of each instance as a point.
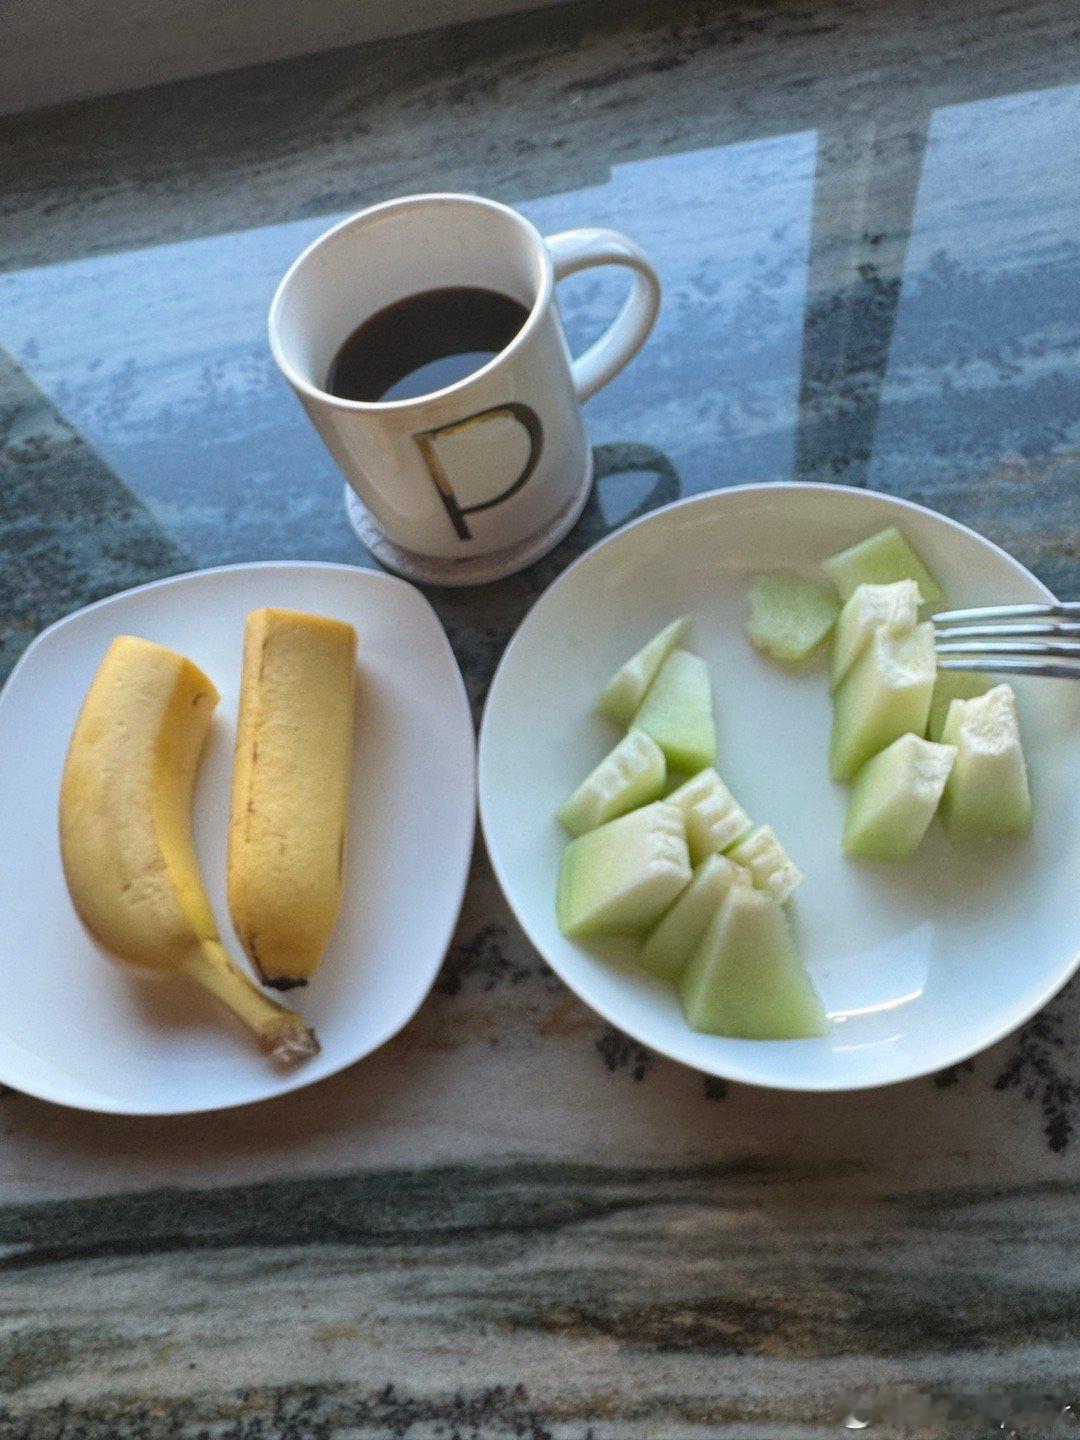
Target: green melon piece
(619, 879)
(871, 607)
(987, 792)
(678, 934)
(714, 818)
(885, 694)
(632, 775)
(677, 713)
(790, 616)
(894, 797)
(771, 867)
(952, 685)
(880, 560)
(626, 689)
(746, 980)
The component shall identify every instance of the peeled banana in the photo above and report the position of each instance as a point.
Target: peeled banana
(125, 834)
(290, 795)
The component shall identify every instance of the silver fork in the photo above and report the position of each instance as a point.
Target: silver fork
(1012, 639)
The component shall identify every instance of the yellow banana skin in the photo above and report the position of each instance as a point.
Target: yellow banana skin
(125, 832)
(290, 798)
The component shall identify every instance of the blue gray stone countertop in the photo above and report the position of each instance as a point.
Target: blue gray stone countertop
(512, 1220)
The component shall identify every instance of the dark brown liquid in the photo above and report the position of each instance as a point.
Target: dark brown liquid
(423, 343)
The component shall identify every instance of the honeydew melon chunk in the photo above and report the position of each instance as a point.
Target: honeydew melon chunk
(620, 878)
(632, 774)
(677, 713)
(872, 607)
(771, 867)
(624, 692)
(885, 694)
(790, 616)
(714, 818)
(880, 560)
(670, 945)
(952, 685)
(745, 978)
(987, 792)
(894, 797)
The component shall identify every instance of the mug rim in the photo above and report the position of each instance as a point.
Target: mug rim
(314, 392)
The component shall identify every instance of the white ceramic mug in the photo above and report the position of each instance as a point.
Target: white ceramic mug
(482, 477)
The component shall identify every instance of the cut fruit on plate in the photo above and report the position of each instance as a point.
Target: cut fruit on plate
(953, 685)
(790, 616)
(633, 774)
(714, 818)
(926, 962)
(621, 697)
(987, 792)
(872, 607)
(619, 879)
(290, 794)
(678, 934)
(677, 713)
(886, 693)
(746, 980)
(771, 867)
(894, 798)
(880, 560)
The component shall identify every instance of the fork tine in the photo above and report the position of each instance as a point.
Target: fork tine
(1065, 609)
(987, 639)
(1014, 667)
(1055, 650)
(1062, 628)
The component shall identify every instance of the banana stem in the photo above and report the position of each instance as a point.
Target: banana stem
(281, 1033)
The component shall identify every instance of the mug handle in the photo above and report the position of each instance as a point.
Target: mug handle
(575, 250)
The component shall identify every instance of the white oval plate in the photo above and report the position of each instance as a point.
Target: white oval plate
(80, 1030)
(921, 964)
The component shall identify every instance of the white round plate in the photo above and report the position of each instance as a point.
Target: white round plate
(920, 964)
(79, 1029)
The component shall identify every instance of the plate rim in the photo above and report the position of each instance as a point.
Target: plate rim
(298, 1079)
(733, 1074)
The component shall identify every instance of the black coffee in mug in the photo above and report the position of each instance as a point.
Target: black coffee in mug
(424, 343)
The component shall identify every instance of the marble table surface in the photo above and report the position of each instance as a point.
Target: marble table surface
(513, 1221)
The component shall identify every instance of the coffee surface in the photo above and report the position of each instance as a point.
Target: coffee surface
(423, 343)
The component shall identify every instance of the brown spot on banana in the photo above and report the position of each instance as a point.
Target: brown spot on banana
(283, 982)
(280, 982)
